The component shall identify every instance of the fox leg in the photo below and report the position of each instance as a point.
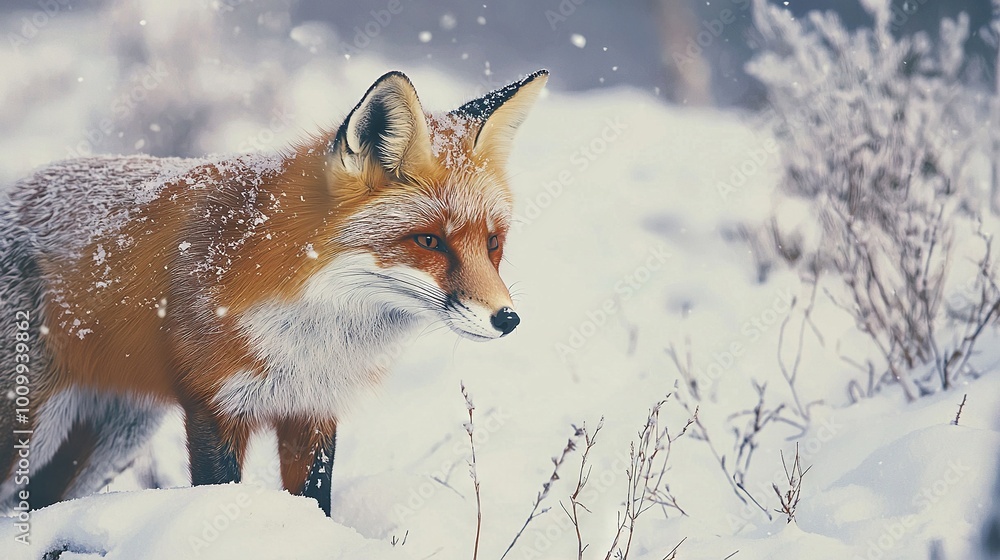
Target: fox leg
(120, 428)
(319, 484)
(306, 450)
(84, 440)
(216, 452)
(51, 483)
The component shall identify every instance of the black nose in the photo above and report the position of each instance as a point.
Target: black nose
(505, 320)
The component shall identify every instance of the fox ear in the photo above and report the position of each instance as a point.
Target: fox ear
(501, 112)
(388, 125)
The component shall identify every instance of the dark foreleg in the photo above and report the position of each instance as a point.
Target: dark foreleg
(318, 485)
(306, 451)
(215, 457)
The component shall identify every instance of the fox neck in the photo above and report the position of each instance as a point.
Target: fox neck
(321, 350)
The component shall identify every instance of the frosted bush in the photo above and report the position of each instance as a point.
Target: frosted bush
(888, 141)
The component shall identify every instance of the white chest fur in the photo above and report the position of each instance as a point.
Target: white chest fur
(321, 350)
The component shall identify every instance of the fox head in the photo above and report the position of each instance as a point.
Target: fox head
(426, 197)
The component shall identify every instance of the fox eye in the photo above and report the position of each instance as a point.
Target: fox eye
(428, 241)
(493, 243)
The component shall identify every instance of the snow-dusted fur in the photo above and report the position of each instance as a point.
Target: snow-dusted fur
(19, 294)
(52, 212)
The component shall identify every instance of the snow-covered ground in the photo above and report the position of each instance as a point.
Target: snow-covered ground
(617, 258)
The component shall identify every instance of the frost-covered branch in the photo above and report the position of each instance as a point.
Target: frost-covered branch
(883, 140)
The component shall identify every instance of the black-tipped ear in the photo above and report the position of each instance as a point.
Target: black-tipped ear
(388, 124)
(501, 112)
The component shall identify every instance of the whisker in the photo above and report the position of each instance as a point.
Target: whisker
(421, 305)
(406, 287)
(422, 287)
(432, 328)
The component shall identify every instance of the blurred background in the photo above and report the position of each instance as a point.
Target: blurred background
(205, 75)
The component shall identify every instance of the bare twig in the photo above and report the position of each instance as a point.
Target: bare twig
(583, 476)
(791, 374)
(672, 555)
(649, 455)
(469, 429)
(958, 414)
(547, 485)
(759, 418)
(739, 484)
(701, 432)
(985, 308)
(685, 367)
(397, 541)
(790, 498)
(874, 303)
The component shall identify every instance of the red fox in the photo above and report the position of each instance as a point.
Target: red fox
(257, 291)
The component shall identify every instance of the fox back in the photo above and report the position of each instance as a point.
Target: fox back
(256, 291)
